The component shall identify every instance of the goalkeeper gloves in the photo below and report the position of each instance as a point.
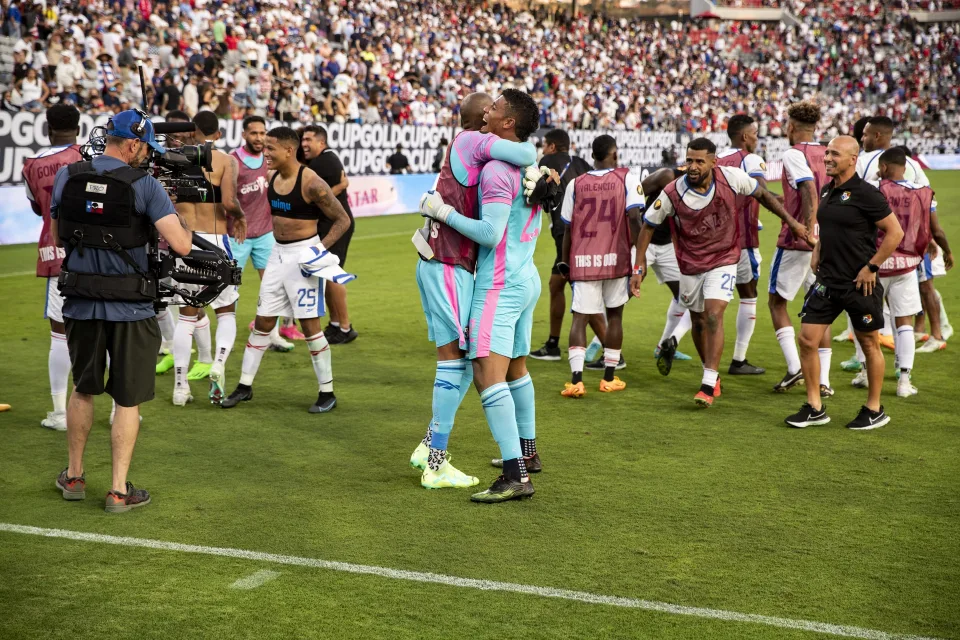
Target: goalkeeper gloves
(432, 206)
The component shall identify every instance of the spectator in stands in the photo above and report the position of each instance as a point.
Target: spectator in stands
(398, 162)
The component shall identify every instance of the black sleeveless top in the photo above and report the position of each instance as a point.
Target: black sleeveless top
(291, 205)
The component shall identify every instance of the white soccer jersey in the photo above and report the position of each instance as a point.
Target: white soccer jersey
(868, 168)
(751, 163)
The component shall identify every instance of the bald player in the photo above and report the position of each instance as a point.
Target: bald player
(445, 277)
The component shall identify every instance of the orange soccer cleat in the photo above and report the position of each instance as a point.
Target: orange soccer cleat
(614, 385)
(571, 390)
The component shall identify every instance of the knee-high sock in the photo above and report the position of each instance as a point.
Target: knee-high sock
(788, 344)
(849, 325)
(322, 362)
(182, 343)
(501, 415)
(856, 343)
(524, 402)
(906, 349)
(825, 356)
(204, 343)
(257, 343)
(167, 319)
(746, 323)
(944, 320)
(226, 335)
(467, 381)
(685, 325)
(888, 325)
(675, 313)
(447, 392)
(58, 366)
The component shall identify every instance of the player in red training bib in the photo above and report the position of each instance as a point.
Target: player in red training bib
(702, 210)
(596, 257)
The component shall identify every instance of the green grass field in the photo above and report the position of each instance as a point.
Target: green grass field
(642, 496)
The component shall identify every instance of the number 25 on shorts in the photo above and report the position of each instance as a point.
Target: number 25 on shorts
(306, 298)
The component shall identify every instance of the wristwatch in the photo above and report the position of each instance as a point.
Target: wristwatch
(873, 267)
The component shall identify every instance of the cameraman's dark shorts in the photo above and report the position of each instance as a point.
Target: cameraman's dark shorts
(340, 247)
(558, 240)
(133, 348)
(866, 312)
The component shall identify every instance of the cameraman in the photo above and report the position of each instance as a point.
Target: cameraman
(102, 212)
(209, 220)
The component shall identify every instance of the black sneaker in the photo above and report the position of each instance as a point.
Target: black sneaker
(532, 463)
(600, 365)
(808, 417)
(242, 393)
(668, 349)
(868, 419)
(504, 489)
(826, 392)
(789, 382)
(546, 353)
(347, 336)
(325, 403)
(329, 329)
(744, 368)
(335, 336)
(117, 502)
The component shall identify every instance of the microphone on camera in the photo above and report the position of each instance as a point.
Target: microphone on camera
(174, 127)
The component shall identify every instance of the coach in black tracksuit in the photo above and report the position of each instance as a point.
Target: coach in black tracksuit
(846, 261)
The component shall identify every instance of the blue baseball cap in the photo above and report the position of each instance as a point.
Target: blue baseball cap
(126, 123)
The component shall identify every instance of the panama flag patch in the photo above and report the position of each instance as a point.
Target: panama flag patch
(95, 207)
(844, 196)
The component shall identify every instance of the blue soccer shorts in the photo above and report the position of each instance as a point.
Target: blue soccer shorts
(501, 321)
(446, 293)
(258, 248)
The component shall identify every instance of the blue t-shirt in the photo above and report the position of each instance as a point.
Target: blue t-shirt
(152, 201)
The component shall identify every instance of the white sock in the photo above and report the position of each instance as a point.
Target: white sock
(334, 324)
(888, 325)
(944, 320)
(674, 314)
(58, 366)
(856, 343)
(788, 344)
(168, 324)
(275, 333)
(709, 377)
(746, 323)
(906, 348)
(685, 325)
(226, 335)
(257, 343)
(849, 325)
(611, 357)
(825, 356)
(202, 336)
(576, 356)
(322, 362)
(182, 343)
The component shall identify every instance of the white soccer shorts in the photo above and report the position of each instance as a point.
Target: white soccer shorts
(748, 269)
(596, 296)
(716, 284)
(662, 260)
(53, 308)
(932, 268)
(229, 295)
(789, 272)
(902, 294)
(284, 290)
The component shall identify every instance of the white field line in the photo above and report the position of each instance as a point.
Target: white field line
(255, 580)
(17, 274)
(469, 583)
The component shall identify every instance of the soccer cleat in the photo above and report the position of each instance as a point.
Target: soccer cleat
(418, 459)
(946, 331)
(546, 353)
(744, 368)
(113, 413)
(72, 488)
(868, 419)
(164, 350)
(346, 337)
(932, 345)
(182, 396)
(614, 385)
(860, 381)
(571, 390)
(703, 399)
(843, 336)
(290, 332)
(447, 476)
(532, 463)
(593, 351)
(242, 393)
(504, 489)
(324, 404)
(119, 502)
(279, 344)
(199, 371)
(886, 341)
(923, 337)
(55, 421)
(165, 364)
(826, 392)
(789, 382)
(668, 349)
(852, 365)
(905, 387)
(217, 382)
(808, 417)
(717, 388)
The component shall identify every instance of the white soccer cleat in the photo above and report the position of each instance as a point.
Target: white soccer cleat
(113, 412)
(55, 421)
(279, 344)
(860, 380)
(843, 336)
(905, 388)
(218, 382)
(946, 331)
(932, 345)
(181, 396)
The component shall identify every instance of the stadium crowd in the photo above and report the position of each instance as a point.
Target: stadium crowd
(384, 61)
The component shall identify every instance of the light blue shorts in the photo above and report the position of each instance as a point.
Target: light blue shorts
(501, 321)
(259, 248)
(446, 293)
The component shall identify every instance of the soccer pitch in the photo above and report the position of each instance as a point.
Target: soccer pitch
(652, 519)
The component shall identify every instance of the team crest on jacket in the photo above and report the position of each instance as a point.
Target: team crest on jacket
(868, 319)
(657, 204)
(844, 196)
